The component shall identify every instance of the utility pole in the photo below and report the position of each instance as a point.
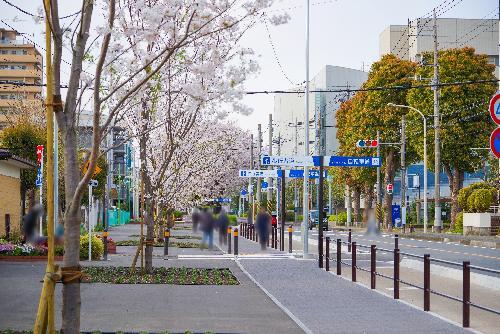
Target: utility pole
(295, 189)
(259, 152)
(305, 202)
(270, 180)
(379, 186)
(250, 184)
(403, 171)
(437, 141)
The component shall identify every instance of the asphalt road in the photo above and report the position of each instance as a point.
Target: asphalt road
(478, 256)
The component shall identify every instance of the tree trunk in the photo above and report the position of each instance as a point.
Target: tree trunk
(456, 179)
(390, 171)
(357, 204)
(150, 225)
(71, 291)
(31, 198)
(368, 203)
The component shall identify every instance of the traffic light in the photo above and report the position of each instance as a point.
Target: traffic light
(390, 188)
(370, 143)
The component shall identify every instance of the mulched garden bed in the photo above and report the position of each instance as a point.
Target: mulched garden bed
(178, 244)
(161, 275)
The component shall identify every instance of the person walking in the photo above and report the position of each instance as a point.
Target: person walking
(195, 217)
(262, 223)
(223, 223)
(207, 227)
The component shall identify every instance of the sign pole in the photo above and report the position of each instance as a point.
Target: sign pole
(379, 187)
(320, 212)
(283, 212)
(305, 204)
(90, 222)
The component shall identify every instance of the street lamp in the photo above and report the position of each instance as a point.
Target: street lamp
(425, 156)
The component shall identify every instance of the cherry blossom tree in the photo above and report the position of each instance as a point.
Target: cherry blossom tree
(139, 38)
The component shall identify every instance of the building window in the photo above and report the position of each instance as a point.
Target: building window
(25, 52)
(4, 52)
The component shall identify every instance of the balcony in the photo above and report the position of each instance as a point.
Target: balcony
(29, 59)
(20, 73)
(12, 88)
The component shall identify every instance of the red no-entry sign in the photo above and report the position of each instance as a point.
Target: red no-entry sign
(495, 142)
(495, 108)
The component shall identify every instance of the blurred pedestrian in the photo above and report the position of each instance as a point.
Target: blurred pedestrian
(262, 223)
(223, 223)
(207, 227)
(30, 221)
(195, 217)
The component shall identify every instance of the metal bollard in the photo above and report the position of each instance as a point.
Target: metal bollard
(327, 254)
(353, 261)
(166, 236)
(276, 237)
(466, 295)
(427, 282)
(256, 236)
(235, 233)
(228, 236)
(396, 241)
(349, 241)
(290, 238)
(320, 251)
(105, 241)
(373, 266)
(339, 257)
(272, 236)
(396, 273)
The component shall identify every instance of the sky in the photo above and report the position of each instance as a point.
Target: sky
(342, 33)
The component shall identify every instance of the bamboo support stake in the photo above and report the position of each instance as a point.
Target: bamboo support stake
(45, 315)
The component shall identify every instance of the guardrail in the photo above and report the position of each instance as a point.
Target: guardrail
(465, 265)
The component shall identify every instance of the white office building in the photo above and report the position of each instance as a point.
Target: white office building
(410, 41)
(289, 110)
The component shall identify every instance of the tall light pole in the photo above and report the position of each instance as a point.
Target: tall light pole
(305, 202)
(437, 141)
(270, 180)
(425, 158)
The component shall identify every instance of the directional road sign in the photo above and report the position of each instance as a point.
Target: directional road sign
(328, 161)
(275, 160)
(337, 161)
(299, 173)
(264, 185)
(218, 200)
(258, 173)
(495, 142)
(495, 108)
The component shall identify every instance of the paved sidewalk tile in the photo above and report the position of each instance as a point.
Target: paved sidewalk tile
(329, 304)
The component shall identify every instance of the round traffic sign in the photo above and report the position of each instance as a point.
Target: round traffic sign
(495, 142)
(495, 108)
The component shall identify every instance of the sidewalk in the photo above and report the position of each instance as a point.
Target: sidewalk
(325, 303)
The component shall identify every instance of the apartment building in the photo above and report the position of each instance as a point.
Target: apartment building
(20, 73)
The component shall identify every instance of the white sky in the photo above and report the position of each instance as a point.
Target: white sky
(343, 33)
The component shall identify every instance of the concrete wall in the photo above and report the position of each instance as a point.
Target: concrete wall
(393, 39)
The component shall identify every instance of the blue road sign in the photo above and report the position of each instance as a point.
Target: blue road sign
(396, 215)
(337, 161)
(264, 185)
(244, 192)
(495, 142)
(299, 173)
(39, 178)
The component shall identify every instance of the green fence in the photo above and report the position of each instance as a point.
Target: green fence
(115, 219)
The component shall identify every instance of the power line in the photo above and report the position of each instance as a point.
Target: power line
(264, 19)
(380, 88)
(35, 15)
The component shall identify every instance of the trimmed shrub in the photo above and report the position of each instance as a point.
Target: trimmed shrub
(464, 201)
(232, 220)
(482, 199)
(459, 223)
(97, 247)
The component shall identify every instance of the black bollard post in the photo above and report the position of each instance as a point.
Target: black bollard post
(327, 254)
(166, 236)
(349, 241)
(228, 236)
(466, 295)
(373, 266)
(396, 273)
(290, 238)
(276, 237)
(339, 257)
(272, 236)
(353, 261)
(396, 241)
(427, 282)
(105, 241)
(235, 233)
